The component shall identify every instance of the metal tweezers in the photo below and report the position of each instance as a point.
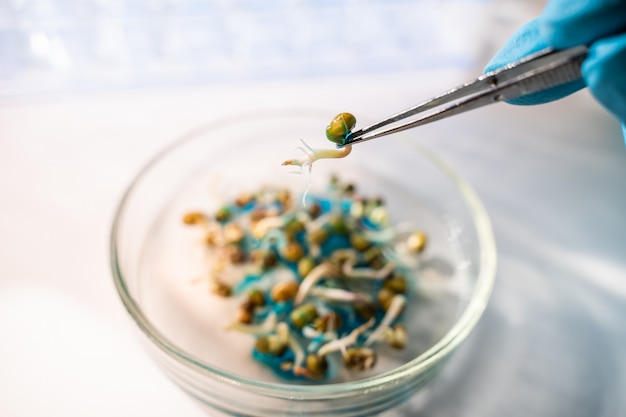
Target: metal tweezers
(536, 72)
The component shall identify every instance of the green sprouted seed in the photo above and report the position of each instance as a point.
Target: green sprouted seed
(321, 287)
(340, 127)
(337, 132)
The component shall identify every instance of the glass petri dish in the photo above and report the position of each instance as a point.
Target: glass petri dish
(156, 262)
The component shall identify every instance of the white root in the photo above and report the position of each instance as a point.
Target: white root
(310, 333)
(394, 310)
(268, 325)
(322, 270)
(298, 351)
(368, 273)
(344, 342)
(340, 295)
(312, 155)
(348, 269)
(390, 233)
(282, 331)
(262, 226)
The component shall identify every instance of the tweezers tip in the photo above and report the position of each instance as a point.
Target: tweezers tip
(351, 137)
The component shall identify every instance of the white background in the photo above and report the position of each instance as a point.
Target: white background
(551, 342)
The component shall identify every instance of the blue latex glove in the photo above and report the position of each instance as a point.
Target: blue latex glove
(599, 24)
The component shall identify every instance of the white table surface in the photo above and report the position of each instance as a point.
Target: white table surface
(551, 343)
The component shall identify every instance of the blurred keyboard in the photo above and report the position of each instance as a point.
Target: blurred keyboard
(77, 45)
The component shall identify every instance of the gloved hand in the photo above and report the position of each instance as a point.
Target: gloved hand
(599, 24)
